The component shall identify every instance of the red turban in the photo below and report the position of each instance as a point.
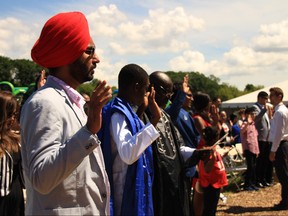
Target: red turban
(63, 39)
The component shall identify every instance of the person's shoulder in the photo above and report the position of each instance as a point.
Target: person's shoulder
(44, 98)
(257, 107)
(47, 94)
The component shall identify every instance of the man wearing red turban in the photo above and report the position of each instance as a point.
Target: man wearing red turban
(62, 160)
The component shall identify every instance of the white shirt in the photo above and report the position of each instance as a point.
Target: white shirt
(186, 152)
(126, 149)
(279, 126)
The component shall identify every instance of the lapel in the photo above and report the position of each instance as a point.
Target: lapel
(52, 84)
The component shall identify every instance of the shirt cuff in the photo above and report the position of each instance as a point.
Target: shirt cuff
(152, 132)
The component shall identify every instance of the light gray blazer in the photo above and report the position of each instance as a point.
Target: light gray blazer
(62, 161)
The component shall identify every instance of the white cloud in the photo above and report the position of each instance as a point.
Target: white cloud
(106, 70)
(104, 21)
(161, 24)
(15, 38)
(218, 38)
(161, 31)
(239, 66)
(189, 61)
(273, 37)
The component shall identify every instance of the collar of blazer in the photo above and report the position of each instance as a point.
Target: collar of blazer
(51, 83)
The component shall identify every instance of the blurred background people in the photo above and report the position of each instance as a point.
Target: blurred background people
(225, 128)
(235, 129)
(278, 135)
(250, 148)
(241, 116)
(264, 167)
(216, 101)
(39, 82)
(11, 181)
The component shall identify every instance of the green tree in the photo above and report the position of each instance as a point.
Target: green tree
(88, 87)
(227, 92)
(26, 72)
(6, 67)
(210, 85)
(251, 88)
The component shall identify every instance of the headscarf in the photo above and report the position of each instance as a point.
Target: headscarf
(63, 39)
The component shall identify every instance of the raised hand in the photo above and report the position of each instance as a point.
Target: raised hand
(185, 84)
(100, 96)
(41, 80)
(154, 108)
(214, 114)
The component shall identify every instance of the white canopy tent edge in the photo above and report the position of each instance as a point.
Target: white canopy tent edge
(250, 98)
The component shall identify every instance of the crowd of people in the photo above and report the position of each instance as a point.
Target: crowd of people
(151, 150)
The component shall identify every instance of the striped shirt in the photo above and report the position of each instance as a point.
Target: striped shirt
(6, 174)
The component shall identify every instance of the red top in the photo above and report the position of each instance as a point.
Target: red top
(216, 177)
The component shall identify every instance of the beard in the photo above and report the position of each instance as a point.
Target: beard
(81, 72)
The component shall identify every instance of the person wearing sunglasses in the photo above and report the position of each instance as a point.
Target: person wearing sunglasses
(171, 152)
(62, 159)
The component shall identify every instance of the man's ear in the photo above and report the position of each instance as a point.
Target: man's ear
(137, 86)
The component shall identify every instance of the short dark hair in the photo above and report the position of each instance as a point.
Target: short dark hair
(215, 99)
(201, 100)
(232, 116)
(131, 74)
(210, 134)
(250, 110)
(241, 111)
(262, 94)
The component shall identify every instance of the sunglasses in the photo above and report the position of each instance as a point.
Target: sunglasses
(90, 51)
(165, 92)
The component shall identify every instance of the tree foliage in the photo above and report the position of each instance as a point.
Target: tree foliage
(27, 71)
(251, 88)
(210, 85)
(22, 72)
(88, 87)
(5, 69)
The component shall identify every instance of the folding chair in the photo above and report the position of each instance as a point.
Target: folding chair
(235, 164)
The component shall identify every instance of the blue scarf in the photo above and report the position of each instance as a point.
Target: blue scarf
(137, 195)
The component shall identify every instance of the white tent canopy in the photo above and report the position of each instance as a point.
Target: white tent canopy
(249, 99)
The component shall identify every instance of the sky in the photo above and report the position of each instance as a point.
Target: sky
(240, 42)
